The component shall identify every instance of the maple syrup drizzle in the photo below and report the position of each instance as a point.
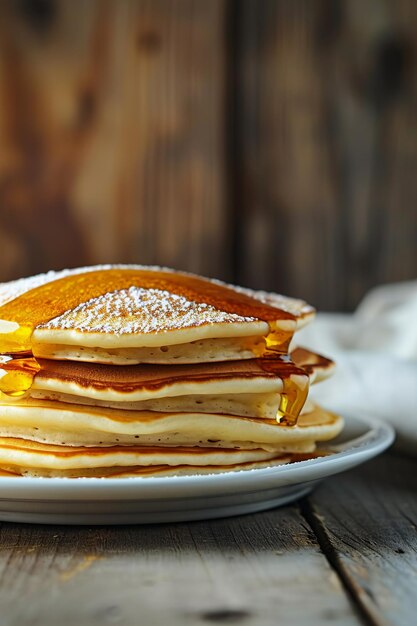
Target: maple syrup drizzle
(17, 374)
(294, 393)
(20, 316)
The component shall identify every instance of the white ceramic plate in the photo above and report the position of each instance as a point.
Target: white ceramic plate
(185, 498)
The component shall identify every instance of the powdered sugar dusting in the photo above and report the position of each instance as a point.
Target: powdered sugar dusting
(294, 306)
(137, 310)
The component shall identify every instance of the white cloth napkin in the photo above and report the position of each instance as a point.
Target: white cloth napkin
(375, 350)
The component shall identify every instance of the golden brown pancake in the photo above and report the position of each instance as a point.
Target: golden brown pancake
(138, 371)
(130, 314)
(28, 456)
(317, 366)
(253, 388)
(53, 422)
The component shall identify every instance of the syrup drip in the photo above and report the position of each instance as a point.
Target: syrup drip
(292, 401)
(17, 374)
(20, 316)
(295, 391)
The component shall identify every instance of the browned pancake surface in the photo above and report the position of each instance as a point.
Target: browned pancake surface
(153, 377)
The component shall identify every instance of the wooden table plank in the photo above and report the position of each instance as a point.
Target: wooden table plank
(325, 146)
(366, 521)
(258, 569)
(112, 118)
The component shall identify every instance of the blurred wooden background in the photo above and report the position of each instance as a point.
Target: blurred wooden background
(272, 143)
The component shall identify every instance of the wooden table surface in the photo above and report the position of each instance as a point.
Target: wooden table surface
(346, 555)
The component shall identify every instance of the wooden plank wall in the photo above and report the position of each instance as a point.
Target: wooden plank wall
(271, 143)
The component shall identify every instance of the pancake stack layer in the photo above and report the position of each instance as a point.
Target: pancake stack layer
(137, 371)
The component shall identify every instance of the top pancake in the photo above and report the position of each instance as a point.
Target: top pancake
(134, 314)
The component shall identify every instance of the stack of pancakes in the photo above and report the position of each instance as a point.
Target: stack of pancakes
(139, 371)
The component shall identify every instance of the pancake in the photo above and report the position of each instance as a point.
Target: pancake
(19, 453)
(20, 466)
(317, 366)
(29, 456)
(188, 470)
(267, 388)
(53, 422)
(116, 371)
(132, 314)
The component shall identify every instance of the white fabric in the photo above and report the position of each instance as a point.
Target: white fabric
(375, 350)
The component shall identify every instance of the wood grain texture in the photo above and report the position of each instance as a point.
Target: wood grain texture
(287, 191)
(111, 125)
(270, 143)
(366, 522)
(258, 569)
(326, 91)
